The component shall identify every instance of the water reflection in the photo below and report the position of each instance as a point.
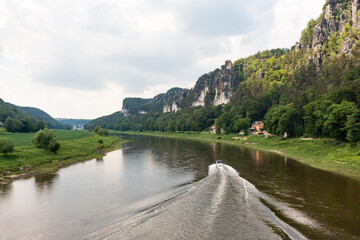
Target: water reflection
(5, 189)
(258, 159)
(45, 181)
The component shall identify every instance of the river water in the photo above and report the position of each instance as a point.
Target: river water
(162, 188)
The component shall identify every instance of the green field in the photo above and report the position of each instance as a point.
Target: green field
(25, 139)
(76, 146)
(329, 155)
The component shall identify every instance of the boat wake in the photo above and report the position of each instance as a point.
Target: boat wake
(221, 206)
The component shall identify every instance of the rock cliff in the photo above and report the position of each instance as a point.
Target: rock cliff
(213, 88)
(338, 17)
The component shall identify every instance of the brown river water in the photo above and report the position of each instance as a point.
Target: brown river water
(163, 188)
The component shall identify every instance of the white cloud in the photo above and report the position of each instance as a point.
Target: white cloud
(80, 59)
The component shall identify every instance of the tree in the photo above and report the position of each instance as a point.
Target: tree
(281, 119)
(27, 124)
(352, 128)
(242, 124)
(171, 126)
(96, 129)
(6, 146)
(217, 127)
(12, 125)
(45, 139)
(40, 125)
(337, 118)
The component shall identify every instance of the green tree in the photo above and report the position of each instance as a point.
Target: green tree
(45, 139)
(96, 129)
(352, 128)
(103, 132)
(242, 124)
(12, 125)
(171, 126)
(6, 146)
(218, 127)
(39, 125)
(281, 119)
(337, 118)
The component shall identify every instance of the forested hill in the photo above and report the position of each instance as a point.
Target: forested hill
(38, 113)
(25, 119)
(9, 110)
(71, 121)
(312, 89)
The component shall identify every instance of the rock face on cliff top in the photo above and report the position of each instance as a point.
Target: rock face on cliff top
(164, 102)
(338, 17)
(217, 87)
(213, 88)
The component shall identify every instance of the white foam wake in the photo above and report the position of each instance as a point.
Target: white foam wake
(213, 168)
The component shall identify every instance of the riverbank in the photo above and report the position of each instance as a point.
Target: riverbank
(323, 154)
(28, 160)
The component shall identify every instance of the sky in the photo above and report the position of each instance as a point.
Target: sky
(81, 58)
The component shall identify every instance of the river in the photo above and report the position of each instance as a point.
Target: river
(163, 188)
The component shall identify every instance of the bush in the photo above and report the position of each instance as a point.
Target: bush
(45, 139)
(101, 131)
(6, 146)
(100, 149)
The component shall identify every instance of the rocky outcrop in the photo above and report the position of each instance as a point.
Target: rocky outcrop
(174, 107)
(347, 46)
(166, 109)
(335, 17)
(217, 87)
(213, 88)
(165, 102)
(355, 13)
(201, 99)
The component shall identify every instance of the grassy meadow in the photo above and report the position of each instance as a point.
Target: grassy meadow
(76, 146)
(327, 154)
(25, 139)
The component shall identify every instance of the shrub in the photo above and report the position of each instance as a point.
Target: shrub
(100, 149)
(6, 146)
(103, 132)
(45, 139)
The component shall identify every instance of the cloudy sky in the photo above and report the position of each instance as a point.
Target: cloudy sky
(81, 58)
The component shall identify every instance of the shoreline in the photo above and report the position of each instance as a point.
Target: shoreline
(66, 157)
(324, 154)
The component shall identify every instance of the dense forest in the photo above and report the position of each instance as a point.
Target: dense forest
(311, 90)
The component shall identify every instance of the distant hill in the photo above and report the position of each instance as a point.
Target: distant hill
(38, 113)
(71, 122)
(19, 113)
(9, 110)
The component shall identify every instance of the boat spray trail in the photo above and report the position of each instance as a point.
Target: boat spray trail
(221, 206)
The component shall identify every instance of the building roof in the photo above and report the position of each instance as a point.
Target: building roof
(257, 122)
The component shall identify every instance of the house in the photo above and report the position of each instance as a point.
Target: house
(258, 126)
(1, 123)
(213, 129)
